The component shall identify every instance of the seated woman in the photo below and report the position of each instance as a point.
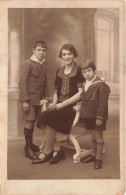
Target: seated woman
(60, 115)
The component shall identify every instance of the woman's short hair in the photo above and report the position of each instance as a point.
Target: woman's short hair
(87, 64)
(39, 43)
(69, 47)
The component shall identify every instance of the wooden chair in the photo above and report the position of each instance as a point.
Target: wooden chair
(70, 138)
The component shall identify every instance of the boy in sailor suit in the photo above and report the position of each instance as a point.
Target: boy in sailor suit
(94, 110)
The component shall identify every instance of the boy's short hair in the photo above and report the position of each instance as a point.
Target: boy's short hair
(39, 43)
(87, 64)
(69, 47)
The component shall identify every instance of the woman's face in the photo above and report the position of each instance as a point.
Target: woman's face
(67, 57)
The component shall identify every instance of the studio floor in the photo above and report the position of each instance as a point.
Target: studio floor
(21, 168)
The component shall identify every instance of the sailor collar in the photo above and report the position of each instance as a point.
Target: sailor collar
(95, 82)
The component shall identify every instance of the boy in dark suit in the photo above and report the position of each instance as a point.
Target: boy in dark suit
(94, 110)
(33, 87)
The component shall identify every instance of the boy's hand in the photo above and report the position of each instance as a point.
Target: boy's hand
(25, 106)
(52, 106)
(43, 102)
(99, 122)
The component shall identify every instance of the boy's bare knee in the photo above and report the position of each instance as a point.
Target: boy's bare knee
(93, 139)
(100, 142)
(29, 124)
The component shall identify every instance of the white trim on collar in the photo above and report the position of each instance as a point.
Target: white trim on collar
(34, 58)
(88, 83)
(93, 79)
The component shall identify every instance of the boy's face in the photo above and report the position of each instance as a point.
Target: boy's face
(88, 74)
(40, 52)
(67, 57)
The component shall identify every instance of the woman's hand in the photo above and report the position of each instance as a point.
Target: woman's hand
(77, 107)
(99, 122)
(25, 106)
(59, 106)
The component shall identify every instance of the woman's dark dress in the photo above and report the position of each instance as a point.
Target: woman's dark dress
(67, 86)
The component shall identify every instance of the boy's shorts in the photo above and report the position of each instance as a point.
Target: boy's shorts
(33, 113)
(90, 124)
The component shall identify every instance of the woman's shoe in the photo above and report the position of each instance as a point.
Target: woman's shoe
(46, 158)
(98, 164)
(88, 159)
(60, 155)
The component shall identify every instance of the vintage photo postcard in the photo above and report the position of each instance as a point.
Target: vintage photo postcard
(62, 97)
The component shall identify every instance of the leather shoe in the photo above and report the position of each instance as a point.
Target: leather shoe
(46, 158)
(59, 156)
(89, 159)
(30, 154)
(35, 148)
(98, 164)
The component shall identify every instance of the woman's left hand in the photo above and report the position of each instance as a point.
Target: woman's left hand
(59, 106)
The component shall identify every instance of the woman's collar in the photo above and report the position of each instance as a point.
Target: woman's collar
(71, 74)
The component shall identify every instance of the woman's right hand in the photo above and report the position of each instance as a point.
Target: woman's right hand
(26, 106)
(59, 106)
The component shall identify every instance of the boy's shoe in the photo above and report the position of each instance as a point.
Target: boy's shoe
(88, 159)
(35, 148)
(29, 153)
(98, 164)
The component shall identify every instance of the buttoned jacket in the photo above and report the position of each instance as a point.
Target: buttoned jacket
(33, 82)
(94, 101)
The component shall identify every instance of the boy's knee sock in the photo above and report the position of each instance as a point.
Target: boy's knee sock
(100, 145)
(27, 131)
(33, 145)
(28, 147)
(94, 147)
(32, 130)
(28, 136)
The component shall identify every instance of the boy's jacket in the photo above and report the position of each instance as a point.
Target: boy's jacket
(33, 82)
(94, 101)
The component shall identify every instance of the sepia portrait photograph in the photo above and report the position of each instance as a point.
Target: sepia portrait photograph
(62, 97)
